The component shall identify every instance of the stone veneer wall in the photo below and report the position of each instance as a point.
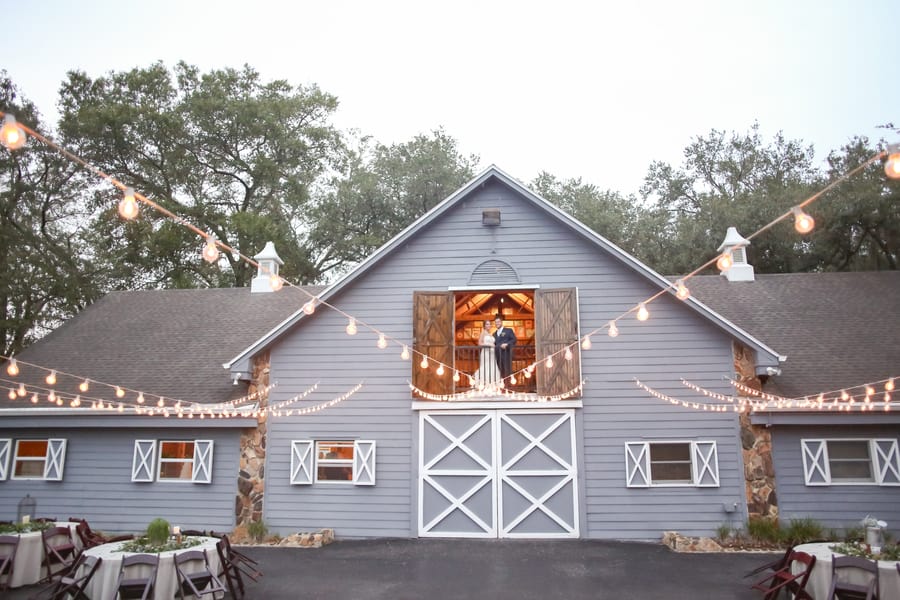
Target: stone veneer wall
(756, 442)
(248, 505)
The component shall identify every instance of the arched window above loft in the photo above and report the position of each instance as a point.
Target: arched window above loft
(494, 272)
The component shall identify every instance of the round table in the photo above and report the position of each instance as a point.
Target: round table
(27, 569)
(103, 584)
(820, 579)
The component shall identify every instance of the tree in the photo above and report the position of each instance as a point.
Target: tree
(46, 275)
(223, 150)
(380, 190)
(732, 180)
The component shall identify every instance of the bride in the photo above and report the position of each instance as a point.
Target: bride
(488, 372)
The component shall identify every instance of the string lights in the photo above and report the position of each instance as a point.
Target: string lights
(12, 135)
(494, 392)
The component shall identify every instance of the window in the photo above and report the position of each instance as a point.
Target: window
(39, 459)
(179, 460)
(851, 461)
(333, 462)
(672, 463)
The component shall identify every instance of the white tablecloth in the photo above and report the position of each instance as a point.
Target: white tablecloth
(103, 584)
(27, 566)
(820, 580)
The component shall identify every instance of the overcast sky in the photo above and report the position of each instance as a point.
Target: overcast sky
(595, 90)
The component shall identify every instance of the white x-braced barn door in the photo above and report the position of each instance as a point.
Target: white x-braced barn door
(495, 473)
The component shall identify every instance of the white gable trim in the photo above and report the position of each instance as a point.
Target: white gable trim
(493, 172)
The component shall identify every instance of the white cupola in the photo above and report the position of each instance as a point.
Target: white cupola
(268, 261)
(736, 245)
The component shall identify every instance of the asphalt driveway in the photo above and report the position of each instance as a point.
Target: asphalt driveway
(494, 569)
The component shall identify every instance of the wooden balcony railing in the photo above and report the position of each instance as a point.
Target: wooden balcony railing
(467, 363)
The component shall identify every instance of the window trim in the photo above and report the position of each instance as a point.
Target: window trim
(305, 463)
(54, 460)
(147, 461)
(704, 464)
(5, 451)
(883, 463)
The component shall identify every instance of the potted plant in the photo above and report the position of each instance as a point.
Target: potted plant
(874, 531)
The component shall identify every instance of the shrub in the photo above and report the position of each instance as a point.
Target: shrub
(158, 531)
(803, 530)
(723, 532)
(854, 534)
(764, 530)
(257, 530)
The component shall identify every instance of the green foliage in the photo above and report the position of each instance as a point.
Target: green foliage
(854, 533)
(723, 532)
(24, 527)
(158, 531)
(257, 530)
(144, 544)
(886, 552)
(764, 530)
(804, 530)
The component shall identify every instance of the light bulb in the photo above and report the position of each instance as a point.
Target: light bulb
(586, 343)
(21, 391)
(162, 402)
(404, 354)
(77, 401)
(803, 223)
(440, 370)
(11, 134)
(382, 342)
(892, 166)
(725, 261)
(527, 373)
(310, 307)
(84, 385)
(34, 398)
(613, 330)
(51, 378)
(128, 206)
(568, 354)
(12, 394)
(456, 376)
(549, 362)
(424, 363)
(120, 393)
(512, 380)
(276, 282)
(210, 251)
(12, 369)
(889, 386)
(140, 397)
(351, 327)
(642, 314)
(681, 291)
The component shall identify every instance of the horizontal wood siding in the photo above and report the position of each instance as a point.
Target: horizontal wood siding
(834, 506)
(674, 343)
(97, 482)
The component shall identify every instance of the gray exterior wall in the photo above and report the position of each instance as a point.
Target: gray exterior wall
(674, 343)
(97, 484)
(834, 506)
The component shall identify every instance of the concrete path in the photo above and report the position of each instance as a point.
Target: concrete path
(493, 569)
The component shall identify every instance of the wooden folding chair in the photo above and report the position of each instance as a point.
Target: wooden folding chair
(139, 587)
(8, 546)
(772, 565)
(90, 538)
(59, 551)
(71, 586)
(195, 578)
(783, 579)
(841, 589)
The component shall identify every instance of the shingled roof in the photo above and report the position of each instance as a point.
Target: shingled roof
(169, 343)
(836, 329)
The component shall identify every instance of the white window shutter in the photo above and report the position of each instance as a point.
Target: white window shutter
(705, 464)
(5, 447)
(816, 470)
(203, 461)
(144, 460)
(364, 462)
(887, 461)
(637, 464)
(56, 459)
(301, 462)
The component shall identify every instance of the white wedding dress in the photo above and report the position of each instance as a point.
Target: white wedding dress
(488, 372)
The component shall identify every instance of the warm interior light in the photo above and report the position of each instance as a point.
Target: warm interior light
(586, 343)
(725, 261)
(382, 342)
(51, 378)
(210, 250)
(12, 369)
(613, 330)
(681, 291)
(128, 206)
(892, 165)
(351, 327)
(276, 282)
(642, 314)
(803, 223)
(12, 136)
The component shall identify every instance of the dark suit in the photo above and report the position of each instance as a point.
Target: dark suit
(504, 335)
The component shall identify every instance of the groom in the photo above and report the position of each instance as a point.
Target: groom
(504, 340)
